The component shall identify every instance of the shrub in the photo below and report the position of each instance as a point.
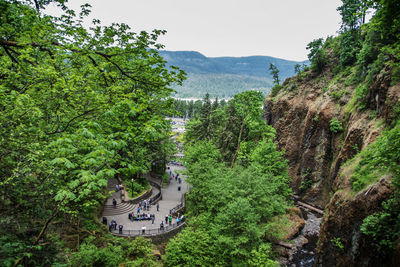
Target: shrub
(335, 126)
(275, 90)
(349, 47)
(337, 242)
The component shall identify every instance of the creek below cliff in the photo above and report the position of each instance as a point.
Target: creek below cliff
(304, 245)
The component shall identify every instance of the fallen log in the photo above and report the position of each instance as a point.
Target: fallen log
(284, 244)
(310, 207)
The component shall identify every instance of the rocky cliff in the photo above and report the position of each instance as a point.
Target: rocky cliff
(319, 128)
(302, 115)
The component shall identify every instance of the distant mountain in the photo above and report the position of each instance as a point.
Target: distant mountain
(225, 76)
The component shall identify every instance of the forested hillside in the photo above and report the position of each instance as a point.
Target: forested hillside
(225, 76)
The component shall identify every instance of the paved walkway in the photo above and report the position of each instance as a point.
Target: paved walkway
(171, 197)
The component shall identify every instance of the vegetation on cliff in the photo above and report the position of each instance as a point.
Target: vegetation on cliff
(352, 80)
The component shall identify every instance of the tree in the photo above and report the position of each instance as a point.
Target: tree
(78, 107)
(353, 13)
(317, 55)
(275, 73)
(230, 209)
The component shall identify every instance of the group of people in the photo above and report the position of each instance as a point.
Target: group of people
(172, 175)
(168, 220)
(118, 187)
(113, 225)
(141, 217)
(144, 204)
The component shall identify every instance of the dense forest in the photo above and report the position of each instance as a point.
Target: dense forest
(240, 187)
(80, 106)
(224, 77)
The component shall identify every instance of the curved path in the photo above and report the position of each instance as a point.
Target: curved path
(171, 197)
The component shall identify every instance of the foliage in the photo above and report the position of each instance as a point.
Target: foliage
(337, 242)
(275, 90)
(349, 47)
(275, 73)
(79, 106)
(231, 203)
(193, 247)
(384, 227)
(379, 158)
(317, 55)
(337, 95)
(353, 13)
(335, 125)
(118, 251)
(262, 257)
(316, 118)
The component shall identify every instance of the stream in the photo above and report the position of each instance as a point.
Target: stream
(303, 255)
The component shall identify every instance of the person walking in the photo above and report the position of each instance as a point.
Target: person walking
(158, 207)
(166, 219)
(152, 219)
(170, 219)
(114, 201)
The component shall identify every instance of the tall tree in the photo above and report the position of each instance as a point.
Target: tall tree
(275, 73)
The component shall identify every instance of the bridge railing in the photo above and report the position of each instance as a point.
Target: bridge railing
(148, 232)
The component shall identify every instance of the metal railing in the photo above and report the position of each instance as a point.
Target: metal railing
(155, 231)
(148, 232)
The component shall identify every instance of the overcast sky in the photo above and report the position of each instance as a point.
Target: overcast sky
(279, 28)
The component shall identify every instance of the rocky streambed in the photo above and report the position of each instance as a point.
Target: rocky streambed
(302, 253)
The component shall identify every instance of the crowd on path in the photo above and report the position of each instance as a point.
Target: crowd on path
(145, 214)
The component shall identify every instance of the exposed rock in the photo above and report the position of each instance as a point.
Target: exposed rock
(301, 114)
(315, 153)
(343, 218)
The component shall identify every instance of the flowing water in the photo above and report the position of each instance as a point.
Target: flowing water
(306, 243)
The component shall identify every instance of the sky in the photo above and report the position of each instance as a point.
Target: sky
(215, 28)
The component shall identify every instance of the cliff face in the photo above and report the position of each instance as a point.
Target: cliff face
(302, 114)
(341, 242)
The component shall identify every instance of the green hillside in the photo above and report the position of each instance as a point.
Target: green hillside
(225, 76)
(221, 85)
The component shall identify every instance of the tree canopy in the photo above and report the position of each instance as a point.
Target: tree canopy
(78, 107)
(239, 182)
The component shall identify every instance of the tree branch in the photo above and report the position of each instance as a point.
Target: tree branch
(70, 121)
(13, 59)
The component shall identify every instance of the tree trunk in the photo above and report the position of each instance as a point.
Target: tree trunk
(238, 144)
